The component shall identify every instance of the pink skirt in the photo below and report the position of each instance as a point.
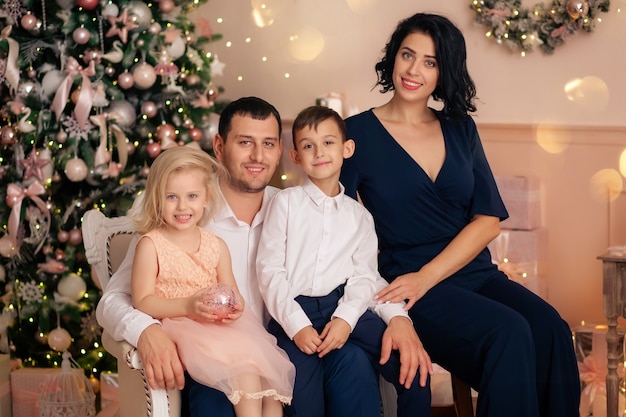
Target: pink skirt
(241, 358)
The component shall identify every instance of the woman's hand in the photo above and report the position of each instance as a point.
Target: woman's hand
(410, 287)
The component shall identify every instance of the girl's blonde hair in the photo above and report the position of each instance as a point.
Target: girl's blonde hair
(149, 214)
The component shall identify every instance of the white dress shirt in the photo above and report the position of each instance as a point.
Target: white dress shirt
(115, 311)
(310, 245)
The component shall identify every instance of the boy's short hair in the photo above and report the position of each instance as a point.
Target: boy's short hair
(312, 116)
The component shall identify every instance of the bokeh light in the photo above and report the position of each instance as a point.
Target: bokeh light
(622, 163)
(360, 5)
(605, 185)
(265, 12)
(551, 139)
(306, 44)
(591, 93)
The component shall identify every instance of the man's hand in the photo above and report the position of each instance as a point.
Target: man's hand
(307, 340)
(400, 335)
(334, 336)
(160, 359)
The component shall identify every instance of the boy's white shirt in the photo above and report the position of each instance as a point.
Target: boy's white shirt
(310, 244)
(115, 311)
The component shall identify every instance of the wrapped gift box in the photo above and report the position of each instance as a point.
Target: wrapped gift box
(591, 354)
(109, 395)
(5, 386)
(522, 197)
(26, 385)
(524, 248)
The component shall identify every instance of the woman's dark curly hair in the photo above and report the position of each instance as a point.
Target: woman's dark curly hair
(455, 88)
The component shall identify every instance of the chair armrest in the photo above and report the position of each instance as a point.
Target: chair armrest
(159, 402)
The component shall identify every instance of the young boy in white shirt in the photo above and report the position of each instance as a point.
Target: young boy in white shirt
(317, 266)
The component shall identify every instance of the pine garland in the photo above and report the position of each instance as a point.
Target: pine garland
(524, 29)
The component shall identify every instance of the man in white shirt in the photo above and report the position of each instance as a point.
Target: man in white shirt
(248, 145)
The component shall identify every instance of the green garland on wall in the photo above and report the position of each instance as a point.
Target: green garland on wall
(524, 29)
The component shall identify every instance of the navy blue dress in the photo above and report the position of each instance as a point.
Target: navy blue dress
(502, 339)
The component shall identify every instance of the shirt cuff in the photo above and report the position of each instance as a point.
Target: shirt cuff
(349, 314)
(297, 321)
(391, 310)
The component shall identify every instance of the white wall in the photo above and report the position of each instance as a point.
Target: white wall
(511, 89)
(516, 96)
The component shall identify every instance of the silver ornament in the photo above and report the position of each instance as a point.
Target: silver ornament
(142, 14)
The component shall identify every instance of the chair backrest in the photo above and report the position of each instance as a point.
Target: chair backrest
(106, 241)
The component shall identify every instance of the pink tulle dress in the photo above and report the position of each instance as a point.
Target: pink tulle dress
(241, 358)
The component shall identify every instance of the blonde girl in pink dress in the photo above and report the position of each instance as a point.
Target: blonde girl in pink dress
(177, 262)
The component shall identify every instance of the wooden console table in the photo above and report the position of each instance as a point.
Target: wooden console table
(614, 303)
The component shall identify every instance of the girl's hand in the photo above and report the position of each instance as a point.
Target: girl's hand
(235, 314)
(198, 310)
(410, 287)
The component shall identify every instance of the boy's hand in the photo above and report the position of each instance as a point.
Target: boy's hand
(335, 334)
(307, 340)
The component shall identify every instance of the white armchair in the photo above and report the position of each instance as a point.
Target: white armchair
(106, 242)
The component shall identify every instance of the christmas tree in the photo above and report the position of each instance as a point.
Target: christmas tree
(91, 91)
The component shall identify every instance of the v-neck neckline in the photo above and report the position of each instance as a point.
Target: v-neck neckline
(408, 155)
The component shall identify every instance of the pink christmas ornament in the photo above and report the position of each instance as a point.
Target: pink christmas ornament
(120, 25)
(166, 134)
(28, 21)
(195, 134)
(11, 200)
(125, 80)
(166, 6)
(149, 108)
(33, 166)
(61, 137)
(222, 299)
(8, 136)
(153, 149)
(7, 248)
(81, 35)
(75, 237)
(63, 236)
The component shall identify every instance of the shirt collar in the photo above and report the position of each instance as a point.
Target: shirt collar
(227, 213)
(319, 197)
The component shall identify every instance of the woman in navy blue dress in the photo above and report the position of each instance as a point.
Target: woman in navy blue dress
(424, 176)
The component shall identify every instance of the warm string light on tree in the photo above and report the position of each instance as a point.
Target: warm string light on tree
(544, 27)
(90, 93)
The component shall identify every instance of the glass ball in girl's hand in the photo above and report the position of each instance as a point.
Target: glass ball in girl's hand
(222, 299)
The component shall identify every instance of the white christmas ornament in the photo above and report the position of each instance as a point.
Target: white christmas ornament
(72, 286)
(76, 170)
(51, 82)
(59, 339)
(144, 75)
(110, 9)
(177, 48)
(65, 4)
(123, 113)
(141, 13)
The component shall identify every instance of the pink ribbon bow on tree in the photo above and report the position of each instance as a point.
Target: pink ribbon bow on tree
(85, 98)
(15, 195)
